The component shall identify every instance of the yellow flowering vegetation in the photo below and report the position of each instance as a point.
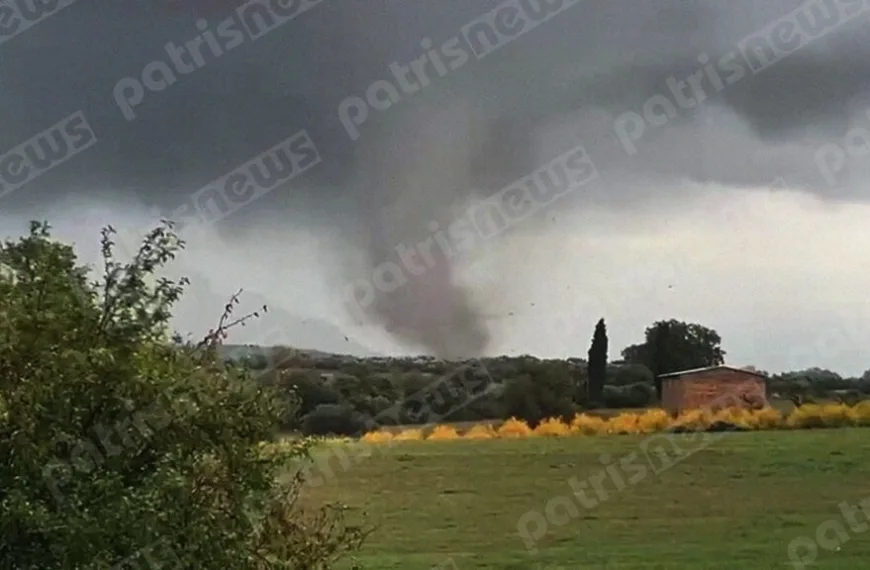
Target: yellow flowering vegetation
(482, 431)
(552, 427)
(588, 425)
(514, 428)
(653, 421)
(409, 435)
(441, 433)
(378, 437)
(829, 415)
(862, 411)
(646, 422)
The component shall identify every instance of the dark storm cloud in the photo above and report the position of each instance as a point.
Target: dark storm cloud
(596, 54)
(584, 68)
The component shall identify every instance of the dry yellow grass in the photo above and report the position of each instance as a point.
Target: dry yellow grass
(650, 421)
(862, 413)
(693, 420)
(378, 437)
(588, 425)
(736, 416)
(769, 418)
(409, 435)
(653, 421)
(829, 415)
(484, 431)
(624, 423)
(442, 433)
(514, 428)
(552, 427)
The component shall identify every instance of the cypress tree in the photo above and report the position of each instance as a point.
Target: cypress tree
(597, 362)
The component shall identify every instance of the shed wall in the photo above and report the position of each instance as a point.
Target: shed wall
(704, 389)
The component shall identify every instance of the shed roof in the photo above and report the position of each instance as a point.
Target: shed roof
(708, 369)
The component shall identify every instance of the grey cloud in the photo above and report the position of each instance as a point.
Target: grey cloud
(550, 89)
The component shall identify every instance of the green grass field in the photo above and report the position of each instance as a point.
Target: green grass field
(737, 503)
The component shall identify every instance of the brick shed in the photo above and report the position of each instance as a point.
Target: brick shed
(712, 387)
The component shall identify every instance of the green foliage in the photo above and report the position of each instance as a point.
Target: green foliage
(309, 390)
(597, 364)
(630, 374)
(639, 395)
(533, 399)
(373, 386)
(333, 419)
(671, 346)
(118, 444)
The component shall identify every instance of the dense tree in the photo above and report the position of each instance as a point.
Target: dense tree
(597, 363)
(639, 395)
(672, 345)
(536, 398)
(333, 419)
(122, 446)
(625, 374)
(308, 390)
(383, 383)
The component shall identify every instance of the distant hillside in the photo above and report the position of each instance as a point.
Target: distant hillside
(199, 311)
(242, 351)
(296, 358)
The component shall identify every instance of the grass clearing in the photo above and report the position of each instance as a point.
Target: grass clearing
(738, 503)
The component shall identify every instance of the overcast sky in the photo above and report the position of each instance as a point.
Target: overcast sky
(744, 210)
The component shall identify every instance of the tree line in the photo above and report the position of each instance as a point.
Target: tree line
(346, 395)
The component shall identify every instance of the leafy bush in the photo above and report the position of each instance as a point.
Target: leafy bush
(483, 431)
(440, 433)
(630, 374)
(378, 437)
(552, 427)
(768, 418)
(409, 435)
(547, 395)
(658, 420)
(333, 419)
(308, 390)
(117, 439)
(514, 428)
(638, 395)
(827, 415)
(693, 420)
(838, 415)
(653, 421)
(588, 425)
(862, 413)
(806, 416)
(624, 423)
(738, 417)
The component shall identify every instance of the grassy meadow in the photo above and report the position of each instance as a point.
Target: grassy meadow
(737, 503)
